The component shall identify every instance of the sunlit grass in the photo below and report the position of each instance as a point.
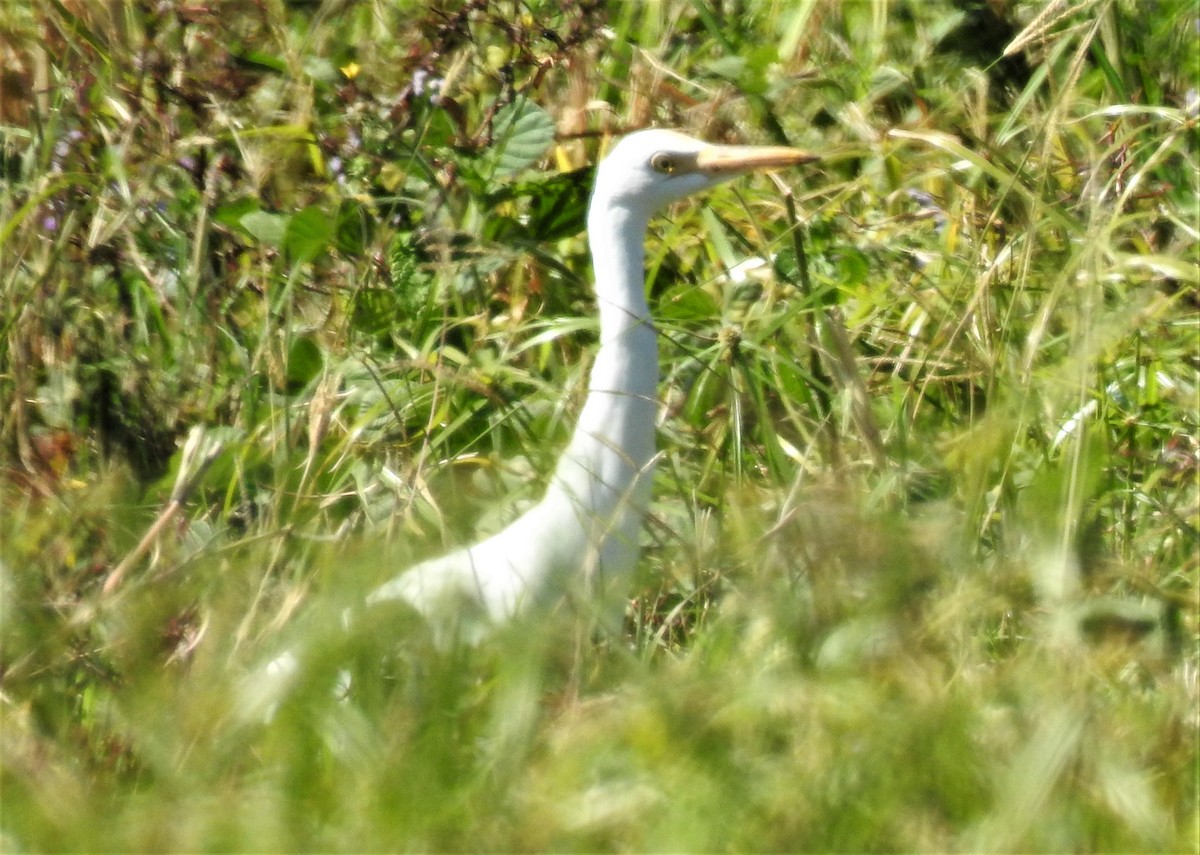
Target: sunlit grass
(920, 572)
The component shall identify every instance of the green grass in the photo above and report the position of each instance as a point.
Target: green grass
(921, 568)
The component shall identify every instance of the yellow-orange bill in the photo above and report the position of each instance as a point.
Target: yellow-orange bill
(720, 159)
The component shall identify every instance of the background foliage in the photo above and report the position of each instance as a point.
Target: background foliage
(296, 292)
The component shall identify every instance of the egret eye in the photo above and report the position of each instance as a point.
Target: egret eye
(663, 163)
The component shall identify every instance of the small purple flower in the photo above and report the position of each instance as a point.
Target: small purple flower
(929, 208)
(61, 149)
(920, 197)
(424, 84)
(49, 223)
(335, 165)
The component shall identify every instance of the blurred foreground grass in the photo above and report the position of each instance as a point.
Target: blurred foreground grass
(921, 572)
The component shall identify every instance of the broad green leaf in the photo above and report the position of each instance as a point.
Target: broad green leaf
(686, 302)
(308, 234)
(523, 132)
(266, 228)
(231, 214)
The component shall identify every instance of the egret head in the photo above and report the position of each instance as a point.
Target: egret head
(649, 169)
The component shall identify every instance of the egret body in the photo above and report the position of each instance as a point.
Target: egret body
(581, 539)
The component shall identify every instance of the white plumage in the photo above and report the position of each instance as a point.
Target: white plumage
(581, 539)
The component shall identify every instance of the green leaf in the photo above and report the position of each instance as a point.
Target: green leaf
(230, 214)
(710, 388)
(523, 132)
(374, 311)
(305, 362)
(353, 227)
(686, 302)
(560, 207)
(438, 132)
(505, 230)
(793, 384)
(410, 280)
(557, 208)
(852, 267)
(265, 228)
(308, 234)
(262, 61)
(728, 67)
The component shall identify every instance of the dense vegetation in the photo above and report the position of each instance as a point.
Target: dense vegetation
(292, 293)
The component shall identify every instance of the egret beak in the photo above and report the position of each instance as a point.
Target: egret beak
(722, 160)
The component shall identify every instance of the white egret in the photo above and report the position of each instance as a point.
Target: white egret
(581, 539)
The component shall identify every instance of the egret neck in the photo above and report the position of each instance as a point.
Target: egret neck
(581, 539)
